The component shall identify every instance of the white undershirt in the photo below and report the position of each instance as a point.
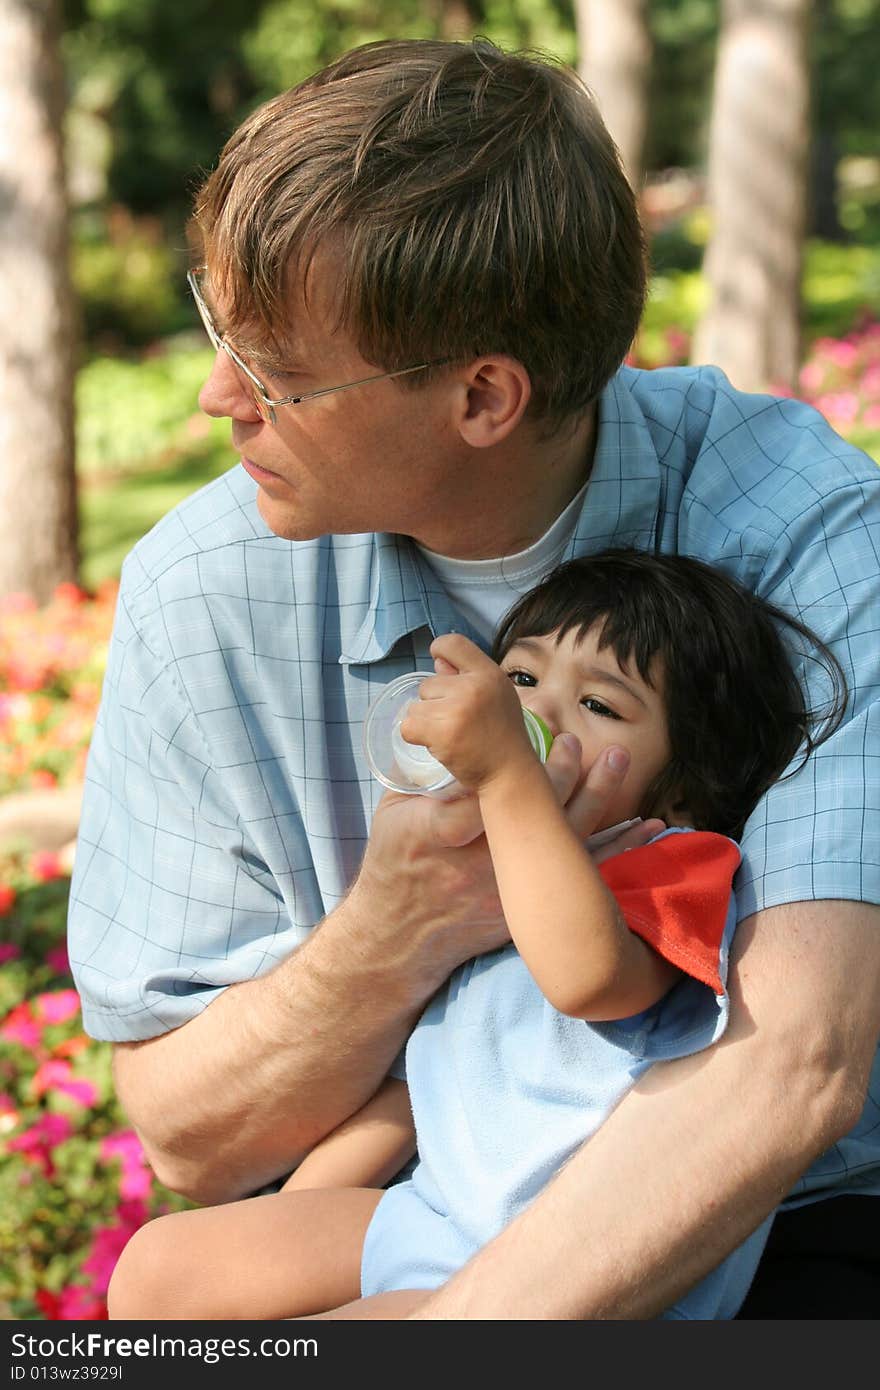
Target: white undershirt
(483, 590)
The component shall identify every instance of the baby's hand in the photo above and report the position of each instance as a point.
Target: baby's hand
(468, 714)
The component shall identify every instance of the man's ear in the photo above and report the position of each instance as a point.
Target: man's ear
(497, 391)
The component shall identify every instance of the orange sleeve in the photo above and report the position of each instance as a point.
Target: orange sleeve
(674, 893)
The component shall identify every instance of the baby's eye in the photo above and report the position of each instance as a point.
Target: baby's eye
(522, 678)
(596, 707)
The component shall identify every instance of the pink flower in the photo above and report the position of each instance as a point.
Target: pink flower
(871, 382)
(44, 865)
(18, 603)
(8, 951)
(110, 1241)
(21, 1027)
(811, 376)
(840, 407)
(57, 1075)
(38, 1142)
(57, 960)
(137, 1178)
(843, 354)
(57, 1006)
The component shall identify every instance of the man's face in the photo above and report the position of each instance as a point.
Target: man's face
(373, 458)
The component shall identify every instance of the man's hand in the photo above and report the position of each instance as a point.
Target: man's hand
(426, 883)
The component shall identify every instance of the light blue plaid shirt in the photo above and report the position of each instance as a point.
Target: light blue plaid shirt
(227, 796)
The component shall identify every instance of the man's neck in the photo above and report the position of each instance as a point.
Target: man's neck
(513, 496)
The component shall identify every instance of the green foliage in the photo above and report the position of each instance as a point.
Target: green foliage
(134, 414)
(840, 284)
(142, 445)
(125, 276)
(67, 1203)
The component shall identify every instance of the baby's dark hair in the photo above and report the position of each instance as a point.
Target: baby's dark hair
(736, 712)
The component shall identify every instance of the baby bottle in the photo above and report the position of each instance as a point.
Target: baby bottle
(410, 767)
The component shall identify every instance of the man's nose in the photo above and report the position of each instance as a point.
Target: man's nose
(224, 395)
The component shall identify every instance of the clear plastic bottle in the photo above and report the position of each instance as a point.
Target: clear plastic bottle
(410, 767)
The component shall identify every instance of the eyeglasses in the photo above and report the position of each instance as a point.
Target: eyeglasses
(265, 403)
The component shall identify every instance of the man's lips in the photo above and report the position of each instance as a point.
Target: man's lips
(259, 473)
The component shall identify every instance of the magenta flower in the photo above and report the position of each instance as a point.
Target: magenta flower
(57, 960)
(9, 951)
(57, 1006)
(137, 1178)
(38, 1142)
(109, 1243)
(57, 1075)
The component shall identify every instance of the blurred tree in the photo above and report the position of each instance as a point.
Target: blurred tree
(758, 158)
(38, 513)
(615, 63)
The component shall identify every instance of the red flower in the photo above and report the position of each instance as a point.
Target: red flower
(69, 593)
(72, 1304)
(21, 1027)
(44, 865)
(42, 778)
(7, 899)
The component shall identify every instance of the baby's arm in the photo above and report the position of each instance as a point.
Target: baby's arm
(564, 921)
(368, 1149)
(562, 918)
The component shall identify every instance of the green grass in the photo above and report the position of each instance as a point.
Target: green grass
(115, 514)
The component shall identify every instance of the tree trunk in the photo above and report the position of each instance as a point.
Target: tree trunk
(758, 171)
(615, 63)
(38, 514)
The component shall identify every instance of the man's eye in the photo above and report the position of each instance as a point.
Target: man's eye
(596, 707)
(522, 678)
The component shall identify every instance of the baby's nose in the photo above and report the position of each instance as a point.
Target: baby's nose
(544, 707)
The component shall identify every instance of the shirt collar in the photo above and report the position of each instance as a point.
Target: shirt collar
(621, 508)
(622, 502)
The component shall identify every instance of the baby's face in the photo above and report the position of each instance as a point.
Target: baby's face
(578, 689)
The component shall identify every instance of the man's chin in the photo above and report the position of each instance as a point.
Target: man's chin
(285, 521)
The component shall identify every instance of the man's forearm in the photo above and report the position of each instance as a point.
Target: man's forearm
(231, 1100)
(695, 1157)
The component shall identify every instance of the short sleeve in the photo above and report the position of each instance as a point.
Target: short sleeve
(676, 894)
(170, 902)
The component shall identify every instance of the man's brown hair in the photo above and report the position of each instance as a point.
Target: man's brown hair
(478, 202)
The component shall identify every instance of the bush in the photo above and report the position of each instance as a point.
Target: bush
(74, 1185)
